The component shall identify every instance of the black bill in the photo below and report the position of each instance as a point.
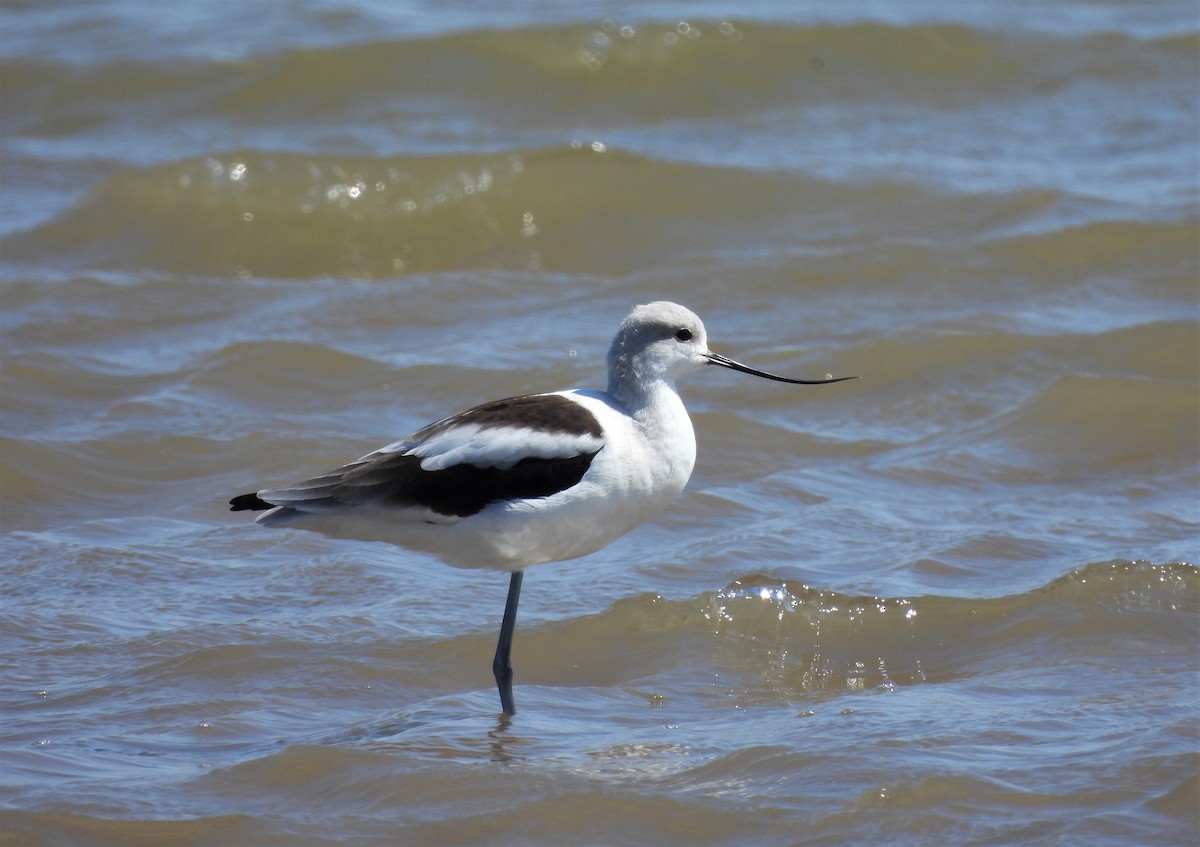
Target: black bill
(718, 359)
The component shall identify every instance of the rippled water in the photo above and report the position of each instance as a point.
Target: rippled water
(953, 602)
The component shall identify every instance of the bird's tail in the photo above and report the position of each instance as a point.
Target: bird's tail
(251, 502)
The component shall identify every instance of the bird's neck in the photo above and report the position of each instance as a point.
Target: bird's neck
(654, 406)
(637, 394)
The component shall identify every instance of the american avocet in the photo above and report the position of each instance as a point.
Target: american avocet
(533, 479)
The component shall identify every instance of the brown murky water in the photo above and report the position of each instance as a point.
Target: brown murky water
(952, 602)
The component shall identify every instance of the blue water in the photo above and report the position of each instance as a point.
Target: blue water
(952, 602)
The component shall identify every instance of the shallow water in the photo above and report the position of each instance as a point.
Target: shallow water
(954, 601)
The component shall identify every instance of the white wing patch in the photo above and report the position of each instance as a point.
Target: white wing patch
(495, 446)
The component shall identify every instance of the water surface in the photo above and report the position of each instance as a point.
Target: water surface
(952, 602)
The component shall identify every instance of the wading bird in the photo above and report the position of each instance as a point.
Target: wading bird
(532, 479)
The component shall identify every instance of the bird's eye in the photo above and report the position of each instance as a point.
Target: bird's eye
(683, 334)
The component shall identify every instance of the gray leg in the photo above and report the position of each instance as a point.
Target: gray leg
(502, 664)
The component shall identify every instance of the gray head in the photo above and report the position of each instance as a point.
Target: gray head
(660, 341)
